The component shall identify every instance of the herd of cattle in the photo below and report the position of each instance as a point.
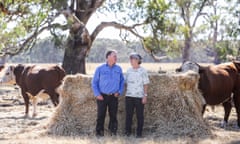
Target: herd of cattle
(219, 84)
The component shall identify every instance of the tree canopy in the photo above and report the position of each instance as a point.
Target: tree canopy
(163, 26)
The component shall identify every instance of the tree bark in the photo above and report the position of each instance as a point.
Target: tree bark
(79, 41)
(215, 37)
(186, 49)
(78, 45)
(74, 60)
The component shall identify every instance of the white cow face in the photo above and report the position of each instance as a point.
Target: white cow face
(7, 76)
(188, 65)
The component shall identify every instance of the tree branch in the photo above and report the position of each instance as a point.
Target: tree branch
(29, 40)
(199, 13)
(131, 29)
(116, 25)
(183, 14)
(84, 9)
(156, 58)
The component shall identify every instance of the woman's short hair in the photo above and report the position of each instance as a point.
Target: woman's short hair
(136, 56)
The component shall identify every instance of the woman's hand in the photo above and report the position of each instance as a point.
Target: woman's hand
(144, 100)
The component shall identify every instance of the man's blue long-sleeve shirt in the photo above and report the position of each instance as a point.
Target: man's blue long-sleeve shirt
(108, 80)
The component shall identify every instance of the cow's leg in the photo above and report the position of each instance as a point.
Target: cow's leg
(236, 99)
(26, 101)
(227, 109)
(54, 97)
(34, 102)
(203, 109)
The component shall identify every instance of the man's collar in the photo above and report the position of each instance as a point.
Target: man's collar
(109, 65)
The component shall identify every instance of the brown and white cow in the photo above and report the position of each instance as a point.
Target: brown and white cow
(34, 81)
(217, 84)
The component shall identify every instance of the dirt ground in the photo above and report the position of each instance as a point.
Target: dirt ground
(17, 129)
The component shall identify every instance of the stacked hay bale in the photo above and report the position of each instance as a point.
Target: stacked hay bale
(76, 112)
(174, 107)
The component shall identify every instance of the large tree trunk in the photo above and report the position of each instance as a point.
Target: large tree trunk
(186, 49)
(217, 59)
(74, 60)
(78, 45)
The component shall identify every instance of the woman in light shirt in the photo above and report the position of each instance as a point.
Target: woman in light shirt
(136, 95)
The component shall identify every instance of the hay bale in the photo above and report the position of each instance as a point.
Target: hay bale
(76, 111)
(174, 107)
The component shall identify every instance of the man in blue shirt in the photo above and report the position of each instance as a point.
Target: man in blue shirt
(107, 85)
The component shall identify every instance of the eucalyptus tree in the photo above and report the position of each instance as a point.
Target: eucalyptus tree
(161, 25)
(231, 25)
(186, 21)
(188, 14)
(22, 22)
(174, 25)
(223, 28)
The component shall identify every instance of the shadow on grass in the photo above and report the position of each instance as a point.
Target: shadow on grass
(23, 117)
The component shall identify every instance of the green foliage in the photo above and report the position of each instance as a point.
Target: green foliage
(156, 15)
(58, 4)
(162, 21)
(21, 21)
(225, 48)
(185, 30)
(168, 47)
(162, 26)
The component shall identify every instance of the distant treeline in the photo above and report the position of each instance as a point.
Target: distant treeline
(46, 52)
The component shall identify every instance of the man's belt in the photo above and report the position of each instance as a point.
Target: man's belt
(110, 94)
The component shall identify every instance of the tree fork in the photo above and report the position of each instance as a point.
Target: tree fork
(78, 45)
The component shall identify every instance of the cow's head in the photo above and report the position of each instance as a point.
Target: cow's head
(7, 75)
(189, 65)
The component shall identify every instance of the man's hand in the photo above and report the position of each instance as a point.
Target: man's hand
(100, 97)
(116, 94)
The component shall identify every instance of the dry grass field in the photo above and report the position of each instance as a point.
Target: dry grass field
(14, 129)
(151, 67)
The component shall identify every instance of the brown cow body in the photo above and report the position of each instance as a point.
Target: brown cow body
(34, 81)
(217, 83)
